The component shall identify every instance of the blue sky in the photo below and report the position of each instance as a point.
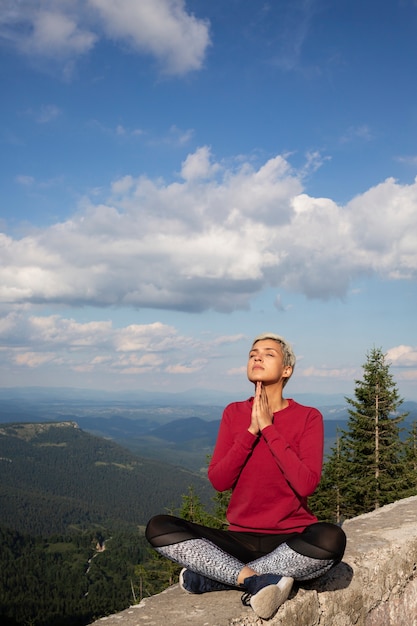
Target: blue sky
(178, 177)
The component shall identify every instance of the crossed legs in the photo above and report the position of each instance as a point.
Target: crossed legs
(230, 557)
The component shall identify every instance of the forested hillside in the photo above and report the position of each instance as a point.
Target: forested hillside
(73, 507)
(64, 580)
(56, 476)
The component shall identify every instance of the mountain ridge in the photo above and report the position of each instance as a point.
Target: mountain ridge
(55, 476)
(199, 396)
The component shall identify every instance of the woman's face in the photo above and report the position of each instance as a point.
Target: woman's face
(265, 362)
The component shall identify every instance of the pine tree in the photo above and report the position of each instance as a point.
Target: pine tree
(373, 471)
(410, 460)
(221, 501)
(192, 508)
(158, 572)
(326, 502)
(368, 466)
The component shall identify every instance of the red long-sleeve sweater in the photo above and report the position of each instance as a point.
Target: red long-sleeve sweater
(272, 474)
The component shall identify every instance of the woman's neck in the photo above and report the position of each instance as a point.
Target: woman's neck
(276, 400)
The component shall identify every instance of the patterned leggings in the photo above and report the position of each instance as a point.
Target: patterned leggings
(222, 554)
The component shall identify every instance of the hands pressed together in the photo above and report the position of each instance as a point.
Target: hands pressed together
(261, 413)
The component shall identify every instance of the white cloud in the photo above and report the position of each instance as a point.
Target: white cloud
(324, 372)
(66, 332)
(50, 32)
(173, 137)
(403, 359)
(402, 356)
(198, 165)
(408, 375)
(29, 181)
(33, 359)
(35, 341)
(212, 241)
(237, 371)
(139, 337)
(66, 29)
(160, 27)
(187, 368)
(123, 185)
(227, 339)
(383, 223)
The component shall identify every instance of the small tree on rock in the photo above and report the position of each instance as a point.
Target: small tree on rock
(373, 448)
(368, 467)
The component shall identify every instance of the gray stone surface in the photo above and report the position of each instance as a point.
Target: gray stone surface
(375, 585)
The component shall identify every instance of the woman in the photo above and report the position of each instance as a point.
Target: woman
(269, 451)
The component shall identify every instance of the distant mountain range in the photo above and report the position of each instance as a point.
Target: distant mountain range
(153, 426)
(144, 397)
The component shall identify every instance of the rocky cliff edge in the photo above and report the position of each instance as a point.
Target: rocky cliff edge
(375, 585)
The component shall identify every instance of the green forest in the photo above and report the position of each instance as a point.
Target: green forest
(73, 507)
(64, 580)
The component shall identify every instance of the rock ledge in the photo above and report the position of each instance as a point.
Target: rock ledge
(375, 585)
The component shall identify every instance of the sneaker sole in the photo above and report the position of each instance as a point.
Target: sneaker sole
(181, 580)
(268, 600)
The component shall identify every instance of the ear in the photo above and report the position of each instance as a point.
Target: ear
(287, 371)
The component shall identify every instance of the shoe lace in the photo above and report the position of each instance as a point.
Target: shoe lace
(245, 598)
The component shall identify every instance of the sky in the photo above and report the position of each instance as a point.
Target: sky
(180, 176)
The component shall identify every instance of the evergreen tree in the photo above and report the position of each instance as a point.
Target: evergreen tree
(367, 466)
(326, 502)
(410, 459)
(221, 501)
(372, 467)
(158, 572)
(192, 509)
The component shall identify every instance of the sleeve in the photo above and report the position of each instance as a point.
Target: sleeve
(230, 454)
(301, 468)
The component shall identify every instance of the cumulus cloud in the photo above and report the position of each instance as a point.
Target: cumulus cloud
(160, 27)
(48, 29)
(212, 239)
(34, 359)
(66, 29)
(187, 368)
(198, 165)
(99, 346)
(403, 356)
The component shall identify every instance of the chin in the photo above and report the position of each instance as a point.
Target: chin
(256, 379)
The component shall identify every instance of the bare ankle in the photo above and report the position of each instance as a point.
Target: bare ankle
(245, 573)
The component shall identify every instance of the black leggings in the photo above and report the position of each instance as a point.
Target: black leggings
(321, 540)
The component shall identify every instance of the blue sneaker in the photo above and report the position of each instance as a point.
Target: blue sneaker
(265, 593)
(191, 582)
